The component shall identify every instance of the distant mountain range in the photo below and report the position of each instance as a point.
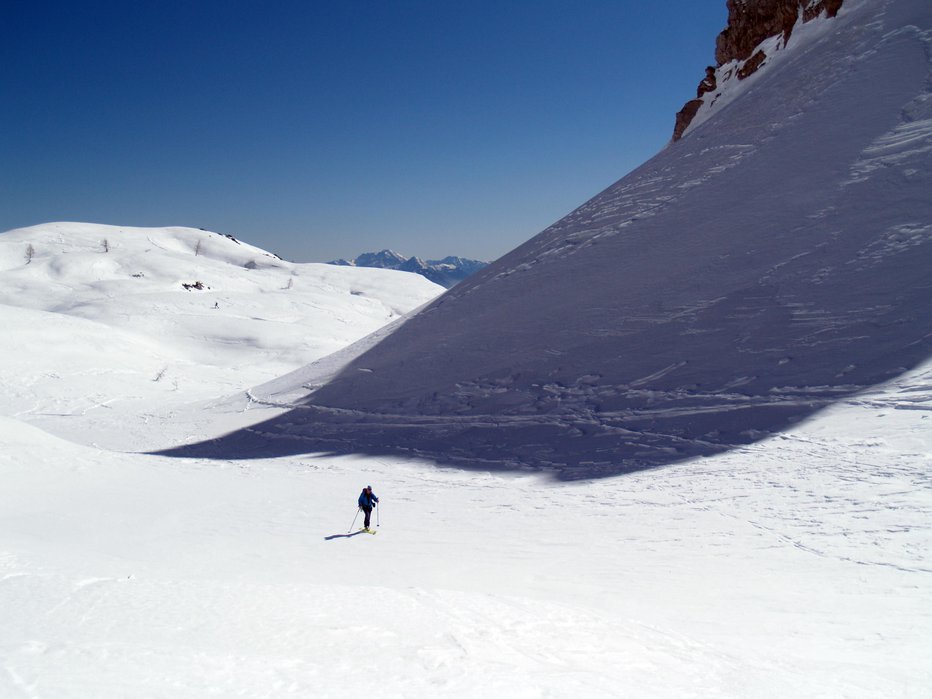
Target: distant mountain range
(447, 272)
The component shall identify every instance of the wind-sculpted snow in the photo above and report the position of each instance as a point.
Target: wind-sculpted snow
(774, 262)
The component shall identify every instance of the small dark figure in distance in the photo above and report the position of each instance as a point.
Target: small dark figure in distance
(367, 500)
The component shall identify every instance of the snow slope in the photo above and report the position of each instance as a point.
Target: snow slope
(137, 337)
(799, 566)
(771, 263)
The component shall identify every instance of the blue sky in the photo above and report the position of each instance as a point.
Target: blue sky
(325, 129)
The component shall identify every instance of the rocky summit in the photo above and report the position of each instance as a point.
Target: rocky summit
(750, 23)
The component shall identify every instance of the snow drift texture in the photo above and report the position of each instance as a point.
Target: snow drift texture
(774, 261)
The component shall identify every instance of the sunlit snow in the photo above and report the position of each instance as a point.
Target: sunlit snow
(797, 564)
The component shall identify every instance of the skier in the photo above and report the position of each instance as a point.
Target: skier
(367, 500)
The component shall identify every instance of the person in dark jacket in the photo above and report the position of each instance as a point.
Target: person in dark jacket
(367, 500)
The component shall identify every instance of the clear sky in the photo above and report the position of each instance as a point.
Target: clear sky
(323, 129)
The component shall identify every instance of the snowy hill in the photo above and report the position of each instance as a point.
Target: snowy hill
(155, 314)
(448, 272)
(771, 263)
(798, 565)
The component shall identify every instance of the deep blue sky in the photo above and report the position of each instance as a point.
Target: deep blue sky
(325, 129)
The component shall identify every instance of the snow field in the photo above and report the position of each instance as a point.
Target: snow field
(798, 566)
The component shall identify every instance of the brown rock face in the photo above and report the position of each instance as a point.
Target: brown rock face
(751, 65)
(688, 112)
(831, 8)
(684, 117)
(708, 82)
(752, 21)
(749, 23)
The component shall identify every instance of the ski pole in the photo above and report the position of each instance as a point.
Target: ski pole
(354, 521)
(378, 518)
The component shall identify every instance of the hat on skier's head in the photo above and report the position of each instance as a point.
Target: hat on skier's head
(368, 487)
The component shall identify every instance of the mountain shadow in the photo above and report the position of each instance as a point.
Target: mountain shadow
(774, 261)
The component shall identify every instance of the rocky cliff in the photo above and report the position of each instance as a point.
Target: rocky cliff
(750, 23)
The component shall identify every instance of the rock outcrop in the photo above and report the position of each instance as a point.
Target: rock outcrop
(689, 110)
(750, 22)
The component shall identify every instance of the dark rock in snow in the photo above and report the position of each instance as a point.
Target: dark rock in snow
(751, 65)
(684, 117)
(708, 83)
